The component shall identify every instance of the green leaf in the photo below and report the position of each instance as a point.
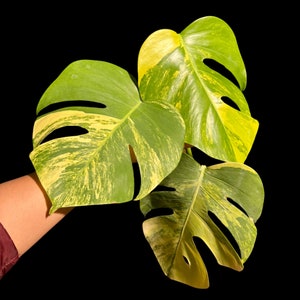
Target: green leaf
(172, 68)
(197, 195)
(95, 167)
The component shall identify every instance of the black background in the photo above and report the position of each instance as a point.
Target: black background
(100, 252)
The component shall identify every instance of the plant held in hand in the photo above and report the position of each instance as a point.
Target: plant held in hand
(175, 107)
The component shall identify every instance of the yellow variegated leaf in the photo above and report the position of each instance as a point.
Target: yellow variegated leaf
(172, 68)
(197, 196)
(94, 166)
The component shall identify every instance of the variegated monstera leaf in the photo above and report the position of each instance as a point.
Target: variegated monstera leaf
(93, 165)
(197, 196)
(173, 68)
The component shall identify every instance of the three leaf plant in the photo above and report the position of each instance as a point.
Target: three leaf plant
(177, 100)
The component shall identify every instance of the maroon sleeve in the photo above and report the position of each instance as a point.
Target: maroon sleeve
(8, 252)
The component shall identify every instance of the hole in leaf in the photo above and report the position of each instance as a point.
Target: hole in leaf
(226, 73)
(136, 172)
(202, 158)
(225, 231)
(137, 178)
(163, 188)
(64, 132)
(229, 102)
(64, 104)
(211, 63)
(237, 206)
(186, 260)
(205, 252)
(157, 212)
(132, 154)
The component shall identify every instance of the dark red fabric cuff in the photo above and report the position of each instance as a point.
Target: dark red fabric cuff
(8, 252)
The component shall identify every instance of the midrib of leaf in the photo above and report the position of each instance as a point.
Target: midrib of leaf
(200, 180)
(110, 136)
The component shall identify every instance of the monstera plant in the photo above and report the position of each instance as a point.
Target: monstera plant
(95, 117)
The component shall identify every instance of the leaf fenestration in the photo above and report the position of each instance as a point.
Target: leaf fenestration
(172, 68)
(95, 167)
(192, 192)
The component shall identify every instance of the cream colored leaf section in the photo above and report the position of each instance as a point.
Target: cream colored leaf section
(196, 197)
(96, 167)
(213, 106)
